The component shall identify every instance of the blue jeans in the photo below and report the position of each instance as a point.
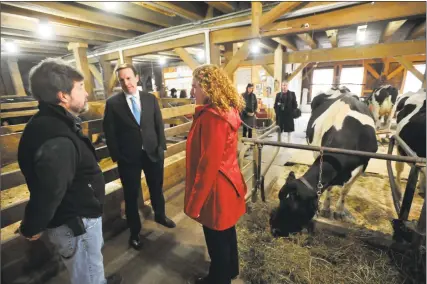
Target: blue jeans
(81, 255)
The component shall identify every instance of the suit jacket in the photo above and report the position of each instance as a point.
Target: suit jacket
(125, 138)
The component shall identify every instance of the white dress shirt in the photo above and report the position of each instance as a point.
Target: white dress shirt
(138, 102)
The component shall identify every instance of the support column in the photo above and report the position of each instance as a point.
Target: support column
(18, 85)
(80, 55)
(127, 60)
(107, 73)
(278, 68)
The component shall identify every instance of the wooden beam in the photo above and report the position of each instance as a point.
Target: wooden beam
(176, 148)
(240, 55)
(96, 74)
(215, 54)
(256, 18)
(21, 34)
(107, 73)
(395, 72)
(184, 10)
(15, 74)
(209, 12)
(410, 67)
(80, 56)
(278, 68)
(359, 52)
(177, 111)
(163, 46)
(259, 60)
(297, 71)
(182, 128)
(29, 24)
(360, 14)
(67, 10)
(228, 52)
(390, 29)
(22, 41)
(267, 45)
(308, 72)
(308, 40)
(187, 58)
(285, 42)
(418, 31)
(5, 106)
(332, 36)
(268, 69)
(138, 12)
(277, 12)
(224, 7)
(67, 22)
(386, 67)
(372, 71)
(20, 113)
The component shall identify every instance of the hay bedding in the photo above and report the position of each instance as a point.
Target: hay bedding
(323, 258)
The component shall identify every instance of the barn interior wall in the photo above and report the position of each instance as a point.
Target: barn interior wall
(8, 89)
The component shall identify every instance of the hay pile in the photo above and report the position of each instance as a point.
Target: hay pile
(304, 259)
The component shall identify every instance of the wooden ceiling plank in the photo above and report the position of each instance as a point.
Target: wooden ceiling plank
(63, 9)
(360, 14)
(183, 9)
(390, 29)
(224, 7)
(64, 21)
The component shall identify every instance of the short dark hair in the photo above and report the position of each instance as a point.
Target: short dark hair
(51, 76)
(126, 65)
(250, 85)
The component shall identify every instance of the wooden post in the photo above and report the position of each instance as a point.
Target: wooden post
(228, 53)
(16, 77)
(215, 56)
(107, 73)
(256, 17)
(79, 50)
(127, 60)
(278, 68)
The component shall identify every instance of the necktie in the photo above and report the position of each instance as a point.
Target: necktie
(135, 110)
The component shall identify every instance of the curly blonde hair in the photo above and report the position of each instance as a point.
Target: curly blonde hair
(218, 87)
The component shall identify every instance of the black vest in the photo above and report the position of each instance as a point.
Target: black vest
(85, 196)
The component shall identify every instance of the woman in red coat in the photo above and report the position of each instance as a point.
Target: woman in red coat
(215, 189)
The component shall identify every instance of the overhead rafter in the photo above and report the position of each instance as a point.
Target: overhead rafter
(332, 36)
(138, 12)
(285, 42)
(256, 17)
(297, 71)
(410, 67)
(395, 72)
(277, 12)
(67, 22)
(224, 7)
(240, 55)
(28, 24)
(209, 12)
(187, 58)
(390, 29)
(96, 74)
(268, 44)
(184, 9)
(269, 69)
(66, 10)
(418, 31)
(372, 71)
(308, 39)
(353, 15)
(28, 42)
(20, 34)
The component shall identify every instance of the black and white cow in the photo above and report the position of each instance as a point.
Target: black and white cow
(331, 94)
(381, 103)
(339, 122)
(410, 112)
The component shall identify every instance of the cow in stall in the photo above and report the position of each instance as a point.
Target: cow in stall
(381, 103)
(410, 112)
(338, 120)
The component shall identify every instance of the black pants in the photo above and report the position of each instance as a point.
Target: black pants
(130, 176)
(248, 130)
(222, 248)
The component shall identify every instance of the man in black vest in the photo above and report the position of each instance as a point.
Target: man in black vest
(135, 136)
(59, 163)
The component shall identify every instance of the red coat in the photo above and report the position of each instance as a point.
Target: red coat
(215, 189)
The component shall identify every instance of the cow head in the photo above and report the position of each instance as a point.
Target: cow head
(297, 207)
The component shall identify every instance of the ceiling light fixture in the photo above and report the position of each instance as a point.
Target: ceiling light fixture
(255, 47)
(201, 55)
(45, 30)
(162, 61)
(11, 47)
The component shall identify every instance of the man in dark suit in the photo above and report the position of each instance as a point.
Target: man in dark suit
(134, 131)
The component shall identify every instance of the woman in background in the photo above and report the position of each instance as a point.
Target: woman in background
(249, 112)
(215, 189)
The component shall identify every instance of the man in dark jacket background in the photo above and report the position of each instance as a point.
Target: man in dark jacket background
(284, 105)
(135, 136)
(59, 163)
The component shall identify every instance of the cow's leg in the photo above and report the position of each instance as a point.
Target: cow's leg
(399, 169)
(341, 212)
(326, 207)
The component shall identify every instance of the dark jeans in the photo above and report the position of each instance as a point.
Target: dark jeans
(248, 130)
(130, 176)
(222, 248)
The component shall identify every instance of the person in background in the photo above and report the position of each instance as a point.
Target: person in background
(183, 94)
(173, 93)
(66, 185)
(135, 137)
(215, 189)
(249, 112)
(284, 105)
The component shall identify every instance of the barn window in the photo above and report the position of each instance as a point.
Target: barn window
(322, 81)
(412, 84)
(352, 78)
